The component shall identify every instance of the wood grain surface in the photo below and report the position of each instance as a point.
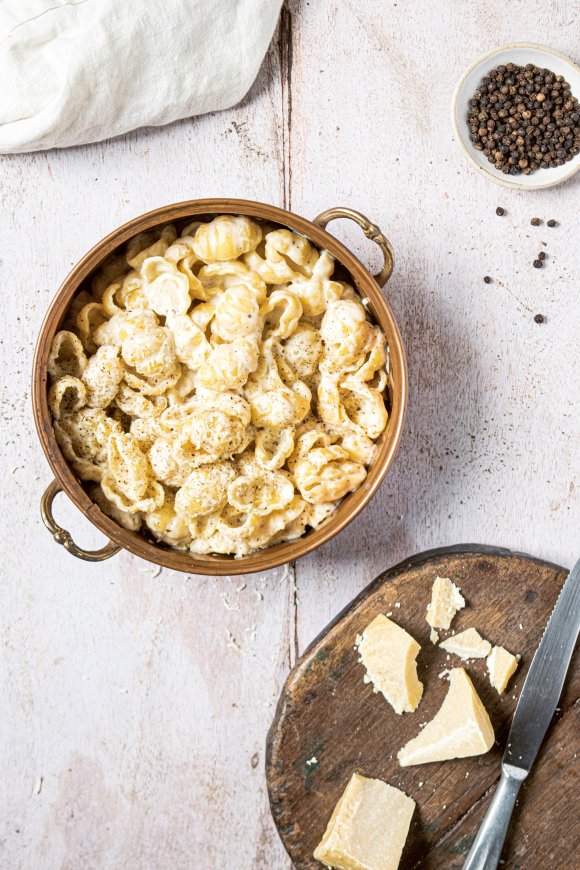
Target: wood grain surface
(134, 706)
(329, 724)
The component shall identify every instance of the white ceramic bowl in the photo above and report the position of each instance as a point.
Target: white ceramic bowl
(519, 53)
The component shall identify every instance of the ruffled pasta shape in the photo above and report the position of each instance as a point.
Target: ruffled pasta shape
(226, 238)
(151, 243)
(103, 376)
(191, 346)
(315, 292)
(128, 481)
(165, 288)
(219, 277)
(83, 436)
(66, 396)
(204, 491)
(259, 492)
(273, 447)
(229, 365)
(89, 318)
(67, 356)
(281, 314)
(327, 474)
(346, 334)
(237, 315)
(302, 350)
(168, 526)
(150, 352)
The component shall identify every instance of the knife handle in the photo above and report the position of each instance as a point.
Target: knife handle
(486, 849)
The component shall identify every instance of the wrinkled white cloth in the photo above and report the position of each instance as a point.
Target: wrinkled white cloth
(84, 70)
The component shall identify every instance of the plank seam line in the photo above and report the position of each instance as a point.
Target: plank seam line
(286, 60)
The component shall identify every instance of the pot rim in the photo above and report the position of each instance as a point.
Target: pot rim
(277, 554)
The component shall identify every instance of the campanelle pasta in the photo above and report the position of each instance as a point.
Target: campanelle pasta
(219, 390)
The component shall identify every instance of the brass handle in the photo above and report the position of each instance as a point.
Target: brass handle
(61, 536)
(370, 230)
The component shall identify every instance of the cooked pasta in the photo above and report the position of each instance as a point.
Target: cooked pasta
(219, 389)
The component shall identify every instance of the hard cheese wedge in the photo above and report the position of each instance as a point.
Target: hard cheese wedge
(368, 828)
(446, 600)
(468, 644)
(501, 665)
(460, 728)
(388, 653)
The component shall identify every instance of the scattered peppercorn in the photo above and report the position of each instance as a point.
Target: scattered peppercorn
(552, 223)
(542, 255)
(500, 211)
(535, 222)
(538, 264)
(487, 279)
(524, 118)
(539, 318)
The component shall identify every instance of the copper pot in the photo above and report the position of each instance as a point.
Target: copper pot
(65, 480)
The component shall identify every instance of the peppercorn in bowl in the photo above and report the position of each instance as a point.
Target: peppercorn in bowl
(516, 116)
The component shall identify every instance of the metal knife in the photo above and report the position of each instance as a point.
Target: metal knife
(538, 700)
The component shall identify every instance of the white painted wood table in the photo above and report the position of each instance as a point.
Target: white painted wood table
(134, 707)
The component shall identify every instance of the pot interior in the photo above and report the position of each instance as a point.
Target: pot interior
(142, 543)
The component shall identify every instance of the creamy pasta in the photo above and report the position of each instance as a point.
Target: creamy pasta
(220, 390)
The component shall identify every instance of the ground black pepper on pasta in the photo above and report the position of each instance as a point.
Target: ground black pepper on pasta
(524, 118)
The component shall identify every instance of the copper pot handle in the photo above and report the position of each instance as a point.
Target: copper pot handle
(370, 230)
(61, 536)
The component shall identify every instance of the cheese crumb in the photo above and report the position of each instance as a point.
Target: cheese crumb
(312, 761)
(434, 637)
(232, 642)
(38, 784)
(227, 604)
(468, 644)
(446, 600)
(501, 665)
(388, 654)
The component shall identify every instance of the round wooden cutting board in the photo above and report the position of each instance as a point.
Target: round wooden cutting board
(329, 723)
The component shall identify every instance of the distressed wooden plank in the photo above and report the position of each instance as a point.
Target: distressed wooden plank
(123, 690)
(330, 724)
(490, 448)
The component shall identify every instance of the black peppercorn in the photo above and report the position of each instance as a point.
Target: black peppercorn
(539, 318)
(529, 114)
(500, 211)
(535, 222)
(542, 255)
(552, 223)
(537, 264)
(487, 279)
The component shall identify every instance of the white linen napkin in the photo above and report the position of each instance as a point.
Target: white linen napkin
(84, 70)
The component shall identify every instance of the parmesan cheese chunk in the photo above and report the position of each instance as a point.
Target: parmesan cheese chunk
(468, 644)
(368, 828)
(446, 600)
(388, 653)
(501, 665)
(461, 727)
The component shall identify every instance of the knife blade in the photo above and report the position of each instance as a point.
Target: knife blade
(543, 685)
(535, 708)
